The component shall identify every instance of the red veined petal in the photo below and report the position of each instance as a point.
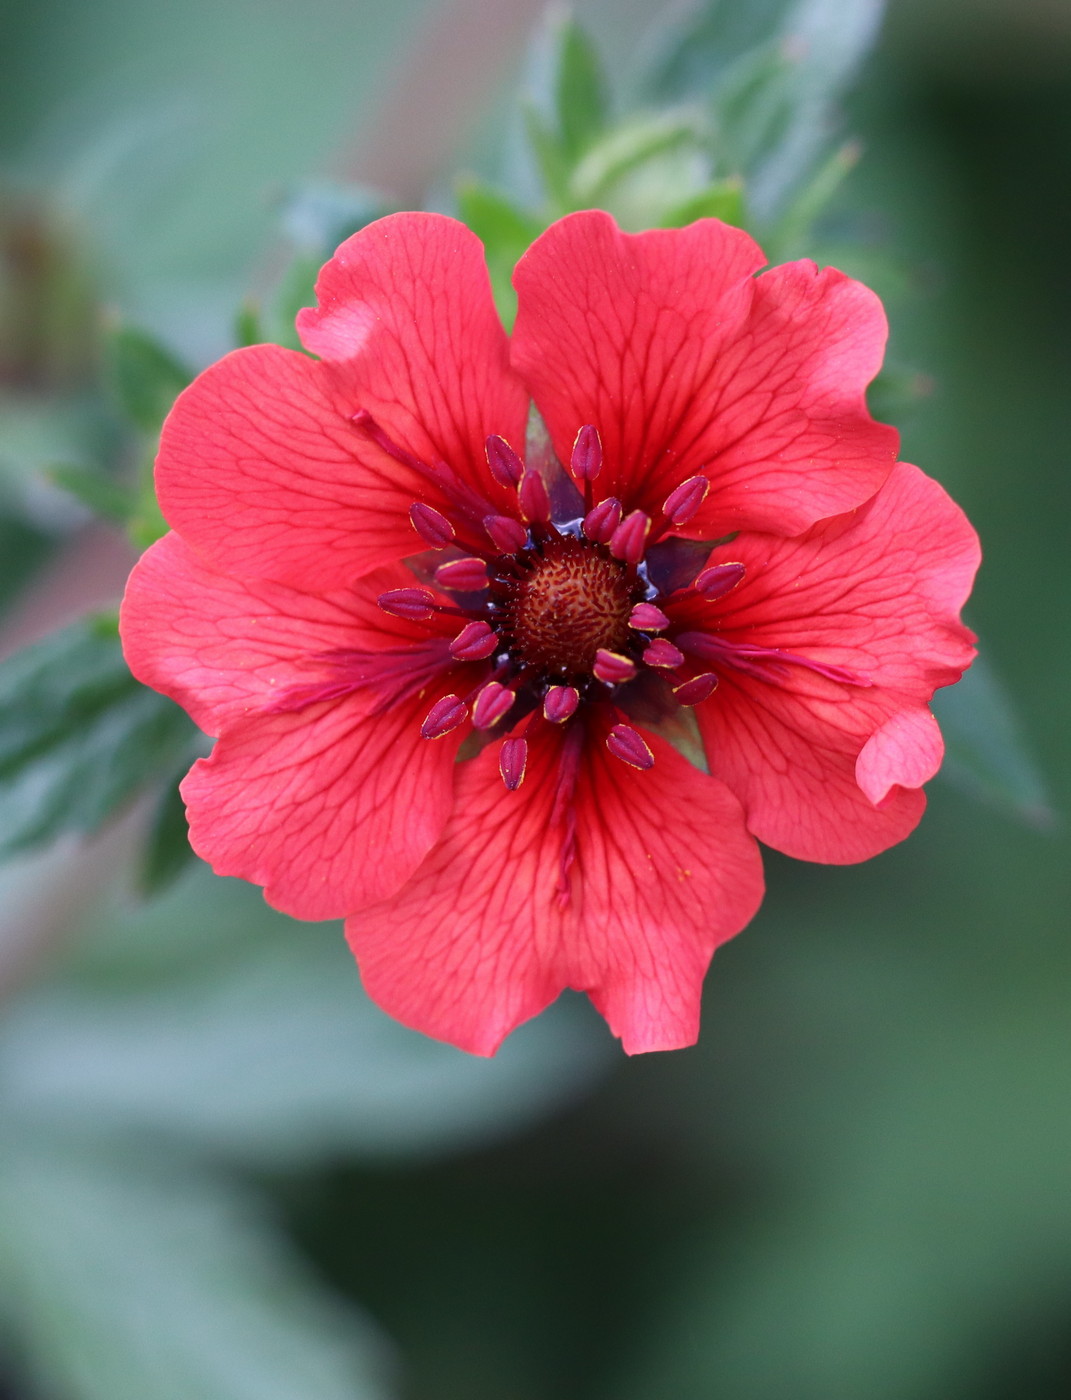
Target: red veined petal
(328, 807)
(481, 939)
(222, 646)
(688, 365)
(877, 593)
(406, 319)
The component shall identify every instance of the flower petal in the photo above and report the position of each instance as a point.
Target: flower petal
(406, 318)
(222, 645)
(480, 939)
(261, 471)
(877, 593)
(687, 365)
(329, 807)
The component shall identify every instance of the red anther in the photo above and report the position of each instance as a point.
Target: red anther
(444, 715)
(630, 538)
(492, 702)
(698, 689)
(718, 580)
(535, 503)
(474, 642)
(506, 467)
(431, 525)
(412, 603)
(680, 505)
(602, 520)
(612, 667)
(586, 461)
(663, 654)
(560, 703)
(645, 617)
(624, 743)
(512, 761)
(467, 575)
(505, 533)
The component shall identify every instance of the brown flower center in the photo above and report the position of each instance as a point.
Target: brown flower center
(575, 599)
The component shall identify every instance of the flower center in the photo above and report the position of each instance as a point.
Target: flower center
(573, 600)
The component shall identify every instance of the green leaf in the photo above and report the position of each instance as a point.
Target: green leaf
(506, 231)
(580, 93)
(167, 851)
(79, 736)
(145, 378)
(318, 215)
(985, 752)
(247, 327)
(791, 236)
(629, 146)
(723, 200)
(550, 158)
(127, 1277)
(106, 497)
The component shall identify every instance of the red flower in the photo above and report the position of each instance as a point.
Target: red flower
(552, 625)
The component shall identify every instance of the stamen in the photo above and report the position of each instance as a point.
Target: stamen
(512, 761)
(474, 642)
(560, 703)
(492, 702)
(506, 467)
(444, 715)
(602, 520)
(431, 525)
(680, 505)
(624, 743)
(505, 533)
(718, 580)
(414, 604)
(586, 461)
(698, 689)
(645, 617)
(630, 538)
(535, 503)
(612, 667)
(663, 654)
(467, 575)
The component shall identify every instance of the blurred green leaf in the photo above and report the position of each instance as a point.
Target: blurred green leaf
(167, 850)
(247, 327)
(506, 231)
(144, 376)
(985, 753)
(723, 200)
(105, 496)
(550, 158)
(581, 99)
(631, 144)
(791, 236)
(79, 736)
(125, 1277)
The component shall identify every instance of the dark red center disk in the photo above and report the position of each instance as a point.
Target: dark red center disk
(575, 600)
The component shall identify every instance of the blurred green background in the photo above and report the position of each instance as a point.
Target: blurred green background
(222, 1173)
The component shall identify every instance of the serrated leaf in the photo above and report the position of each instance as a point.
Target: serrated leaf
(581, 99)
(985, 752)
(126, 1277)
(144, 376)
(79, 736)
